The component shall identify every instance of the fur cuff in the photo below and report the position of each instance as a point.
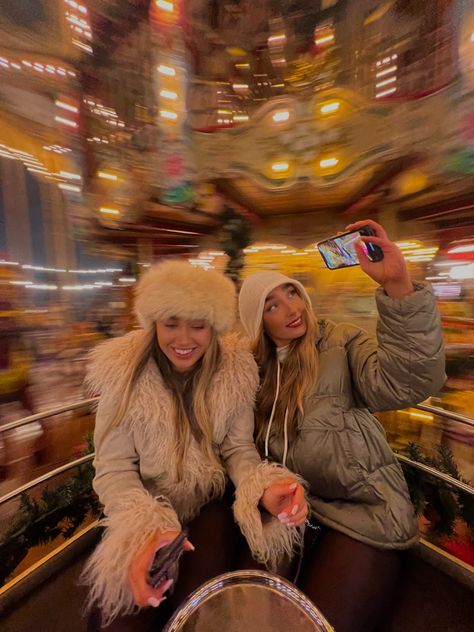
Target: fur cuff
(268, 542)
(135, 520)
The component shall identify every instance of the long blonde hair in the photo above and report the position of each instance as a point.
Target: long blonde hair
(298, 375)
(189, 392)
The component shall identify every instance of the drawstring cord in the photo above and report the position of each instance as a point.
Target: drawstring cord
(269, 427)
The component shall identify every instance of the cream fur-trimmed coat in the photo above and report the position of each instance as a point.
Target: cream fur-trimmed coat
(134, 465)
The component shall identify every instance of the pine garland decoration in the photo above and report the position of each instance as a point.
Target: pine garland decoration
(58, 512)
(440, 503)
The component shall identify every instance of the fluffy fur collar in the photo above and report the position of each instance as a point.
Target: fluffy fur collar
(149, 418)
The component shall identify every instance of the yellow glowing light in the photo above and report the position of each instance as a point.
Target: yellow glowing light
(240, 86)
(107, 176)
(328, 162)
(69, 175)
(425, 417)
(329, 108)
(69, 187)
(166, 6)
(66, 106)
(168, 114)
(274, 39)
(326, 39)
(109, 211)
(167, 70)
(403, 245)
(385, 82)
(235, 51)
(280, 167)
(280, 117)
(385, 93)
(168, 94)
(242, 66)
(64, 121)
(386, 71)
(241, 118)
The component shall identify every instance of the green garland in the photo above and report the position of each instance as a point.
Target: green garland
(438, 502)
(59, 512)
(235, 235)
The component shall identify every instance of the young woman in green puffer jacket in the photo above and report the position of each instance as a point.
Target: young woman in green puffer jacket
(320, 384)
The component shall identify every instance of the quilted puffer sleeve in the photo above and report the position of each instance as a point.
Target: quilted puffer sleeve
(406, 364)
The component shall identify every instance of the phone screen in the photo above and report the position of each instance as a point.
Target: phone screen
(339, 252)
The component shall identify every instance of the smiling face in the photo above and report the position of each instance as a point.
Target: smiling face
(284, 315)
(184, 342)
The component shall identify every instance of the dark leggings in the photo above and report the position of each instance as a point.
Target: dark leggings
(218, 544)
(350, 582)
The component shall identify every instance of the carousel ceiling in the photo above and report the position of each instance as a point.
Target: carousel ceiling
(278, 107)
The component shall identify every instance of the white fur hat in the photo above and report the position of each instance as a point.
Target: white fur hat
(176, 288)
(255, 290)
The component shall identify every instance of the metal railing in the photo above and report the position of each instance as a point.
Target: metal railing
(24, 421)
(437, 474)
(447, 414)
(45, 477)
(434, 410)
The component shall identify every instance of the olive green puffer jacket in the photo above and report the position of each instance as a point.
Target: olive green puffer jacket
(356, 485)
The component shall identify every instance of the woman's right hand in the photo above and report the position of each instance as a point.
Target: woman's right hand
(144, 594)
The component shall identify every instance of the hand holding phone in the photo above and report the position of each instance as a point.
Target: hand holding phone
(144, 594)
(391, 272)
(165, 562)
(339, 251)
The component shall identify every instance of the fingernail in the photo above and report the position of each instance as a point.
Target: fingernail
(293, 486)
(294, 510)
(154, 602)
(193, 548)
(167, 585)
(282, 515)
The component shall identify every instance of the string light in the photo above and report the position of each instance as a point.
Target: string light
(326, 163)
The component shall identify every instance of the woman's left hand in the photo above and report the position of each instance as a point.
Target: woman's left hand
(286, 501)
(392, 272)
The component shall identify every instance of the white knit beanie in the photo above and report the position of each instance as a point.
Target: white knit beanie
(176, 288)
(253, 293)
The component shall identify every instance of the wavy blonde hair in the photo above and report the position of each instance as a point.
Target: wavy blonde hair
(189, 392)
(298, 375)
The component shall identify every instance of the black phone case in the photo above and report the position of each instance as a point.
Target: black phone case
(166, 560)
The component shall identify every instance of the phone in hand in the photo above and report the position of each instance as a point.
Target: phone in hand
(166, 561)
(339, 252)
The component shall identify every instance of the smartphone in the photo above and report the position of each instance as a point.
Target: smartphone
(165, 561)
(339, 252)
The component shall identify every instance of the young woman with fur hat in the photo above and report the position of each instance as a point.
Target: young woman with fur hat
(175, 416)
(320, 383)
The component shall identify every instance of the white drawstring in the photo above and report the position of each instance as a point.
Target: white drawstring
(285, 451)
(269, 427)
(272, 416)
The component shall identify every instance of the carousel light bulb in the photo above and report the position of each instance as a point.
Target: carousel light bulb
(168, 114)
(165, 5)
(280, 117)
(328, 162)
(280, 167)
(107, 176)
(166, 70)
(168, 94)
(329, 108)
